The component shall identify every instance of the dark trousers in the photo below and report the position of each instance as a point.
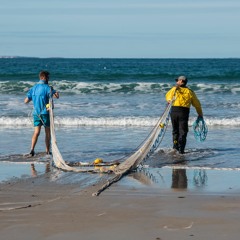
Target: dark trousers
(179, 118)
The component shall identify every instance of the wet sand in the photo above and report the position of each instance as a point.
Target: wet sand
(35, 209)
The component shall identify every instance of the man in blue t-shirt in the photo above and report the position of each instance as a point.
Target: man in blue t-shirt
(40, 94)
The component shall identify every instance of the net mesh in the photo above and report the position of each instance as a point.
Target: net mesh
(128, 163)
(58, 160)
(148, 146)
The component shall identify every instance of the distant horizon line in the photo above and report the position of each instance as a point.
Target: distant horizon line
(11, 57)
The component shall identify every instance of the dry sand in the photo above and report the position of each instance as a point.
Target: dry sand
(35, 209)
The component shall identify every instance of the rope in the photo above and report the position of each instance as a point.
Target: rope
(200, 129)
(159, 138)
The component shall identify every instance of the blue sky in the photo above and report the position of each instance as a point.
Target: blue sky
(126, 28)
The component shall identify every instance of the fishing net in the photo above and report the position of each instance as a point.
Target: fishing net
(128, 163)
(148, 146)
(142, 152)
(57, 156)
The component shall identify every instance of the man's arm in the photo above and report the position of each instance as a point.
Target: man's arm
(196, 103)
(28, 97)
(54, 93)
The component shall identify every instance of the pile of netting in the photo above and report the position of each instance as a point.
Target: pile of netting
(200, 129)
(128, 163)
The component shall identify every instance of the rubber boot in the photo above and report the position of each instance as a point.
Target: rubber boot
(182, 144)
(175, 145)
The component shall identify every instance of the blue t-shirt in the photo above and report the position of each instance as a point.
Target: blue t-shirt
(40, 94)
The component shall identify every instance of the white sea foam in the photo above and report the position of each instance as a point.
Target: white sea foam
(204, 168)
(224, 122)
(77, 87)
(111, 121)
(14, 122)
(236, 90)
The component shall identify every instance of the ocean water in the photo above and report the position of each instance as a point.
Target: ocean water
(107, 107)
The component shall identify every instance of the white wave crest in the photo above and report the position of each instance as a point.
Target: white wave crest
(110, 121)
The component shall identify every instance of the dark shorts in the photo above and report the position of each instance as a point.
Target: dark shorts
(41, 120)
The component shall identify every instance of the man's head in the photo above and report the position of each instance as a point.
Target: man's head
(181, 81)
(44, 75)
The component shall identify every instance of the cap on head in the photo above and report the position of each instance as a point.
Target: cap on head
(183, 78)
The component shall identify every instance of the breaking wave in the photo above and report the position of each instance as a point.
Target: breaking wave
(111, 121)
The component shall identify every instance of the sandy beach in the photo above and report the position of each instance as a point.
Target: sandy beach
(35, 208)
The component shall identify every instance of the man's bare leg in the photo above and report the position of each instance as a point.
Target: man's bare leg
(35, 136)
(47, 139)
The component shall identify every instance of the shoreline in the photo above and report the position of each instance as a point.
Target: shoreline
(36, 208)
(166, 177)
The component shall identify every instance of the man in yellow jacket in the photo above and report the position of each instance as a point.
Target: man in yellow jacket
(184, 98)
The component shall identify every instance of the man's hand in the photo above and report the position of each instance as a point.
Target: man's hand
(56, 95)
(26, 100)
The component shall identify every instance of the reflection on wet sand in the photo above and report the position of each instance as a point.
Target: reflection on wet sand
(34, 171)
(200, 178)
(179, 178)
(151, 176)
(144, 177)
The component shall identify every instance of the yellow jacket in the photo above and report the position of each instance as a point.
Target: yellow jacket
(184, 98)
